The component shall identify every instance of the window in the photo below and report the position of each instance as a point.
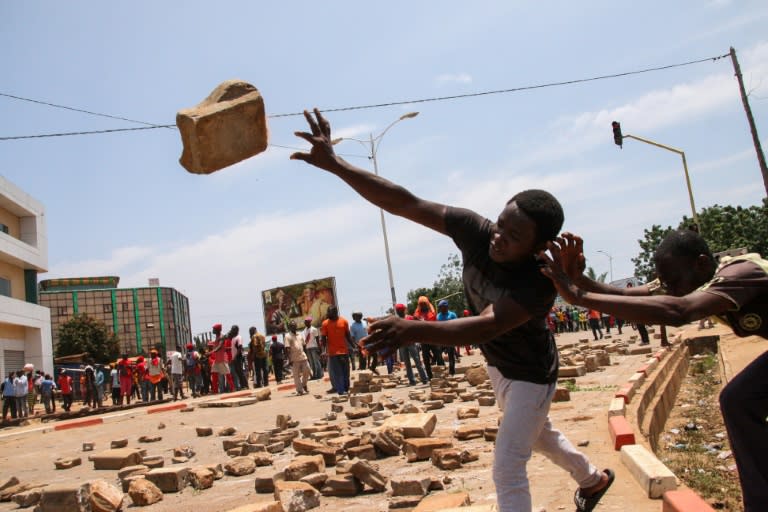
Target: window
(107, 308)
(126, 306)
(5, 287)
(127, 327)
(3, 228)
(61, 311)
(147, 303)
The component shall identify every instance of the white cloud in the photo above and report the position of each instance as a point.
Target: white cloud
(457, 78)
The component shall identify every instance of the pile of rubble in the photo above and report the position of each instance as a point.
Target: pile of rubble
(577, 359)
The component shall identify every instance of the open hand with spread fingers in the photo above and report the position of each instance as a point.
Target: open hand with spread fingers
(321, 154)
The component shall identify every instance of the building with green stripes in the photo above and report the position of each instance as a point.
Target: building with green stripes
(142, 318)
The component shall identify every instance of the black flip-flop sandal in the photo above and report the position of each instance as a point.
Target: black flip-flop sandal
(587, 504)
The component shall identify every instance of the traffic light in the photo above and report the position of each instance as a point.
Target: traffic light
(618, 138)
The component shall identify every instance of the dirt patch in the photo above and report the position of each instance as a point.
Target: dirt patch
(694, 444)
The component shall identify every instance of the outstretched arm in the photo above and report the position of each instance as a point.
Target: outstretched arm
(393, 332)
(381, 192)
(658, 309)
(568, 253)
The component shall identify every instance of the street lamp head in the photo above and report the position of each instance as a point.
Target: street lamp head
(409, 115)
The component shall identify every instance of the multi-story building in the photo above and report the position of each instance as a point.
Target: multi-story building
(142, 318)
(25, 326)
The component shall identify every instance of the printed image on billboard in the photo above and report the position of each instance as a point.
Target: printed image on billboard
(296, 302)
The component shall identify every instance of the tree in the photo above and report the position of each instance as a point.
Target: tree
(593, 275)
(723, 228)
(448, 286)
(81, 334)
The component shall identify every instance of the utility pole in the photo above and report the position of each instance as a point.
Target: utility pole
(750, 120)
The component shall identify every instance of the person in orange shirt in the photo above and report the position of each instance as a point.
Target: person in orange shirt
(593, 317)
(335, 331)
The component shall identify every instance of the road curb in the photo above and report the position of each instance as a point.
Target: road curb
(164, 408)
(88, 422)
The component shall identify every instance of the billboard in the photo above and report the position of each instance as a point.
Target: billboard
(296, 302)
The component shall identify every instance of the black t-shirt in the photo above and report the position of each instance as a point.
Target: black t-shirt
(527, 352)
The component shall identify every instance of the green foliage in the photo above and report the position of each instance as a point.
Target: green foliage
(81, 334)
(448, 286)
(590, 272)
(723, 228)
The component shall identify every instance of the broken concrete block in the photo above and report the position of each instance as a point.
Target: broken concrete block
(413, 425)
(296, 496)
(490, 433)
(476, 375)
(410, 485)
(264, 484)
(330, 454)
(261, 458)
(7, 493)
(139, 469)
(368, 475)
(443, 501)
(116, 459)
(239, 466)
(184, 451)
(282, 420)
(105, 497)
(357, 413)
(119, 443)
(67, 463)
(150, 439)
(407, 502)
(304, 465)
(66, 497)
(28, 498)
(421, 448)
(431, 405)
(144, 493)
(204, 431)
(446, 458)
(275, 447)
(316, 480)
(344, 442)
(486, 401)
(562, 395)
(262, 506)
(342, 485)
(305, 446)
(201, 478)
(364, 451)
(466, 432)
(227, 431)
(233, 442)
(153, 461)
(227, 127)
(361, 400)
(389, 441)
(88, 447)
(172, 479)
(578, 370)
(464, 413)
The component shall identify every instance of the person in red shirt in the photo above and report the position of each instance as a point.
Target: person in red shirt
(335, 331)
(125, 372)
(425, 311)
(65, 385)
(467, 348)
(141, 373)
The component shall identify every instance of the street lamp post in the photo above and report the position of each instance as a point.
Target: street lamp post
(372, 144)
(610, 263)
(618, 138)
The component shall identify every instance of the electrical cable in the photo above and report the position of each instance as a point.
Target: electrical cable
(358, 107)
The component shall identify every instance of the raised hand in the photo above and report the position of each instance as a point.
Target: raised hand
(321, 154)
(387, 335)
(555, 271)
(571, 255)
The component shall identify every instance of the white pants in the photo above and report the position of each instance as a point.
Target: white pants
(525, 426)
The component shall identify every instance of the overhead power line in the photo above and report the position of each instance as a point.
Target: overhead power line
(151, 126)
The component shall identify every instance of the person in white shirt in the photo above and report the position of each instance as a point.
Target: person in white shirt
(309, 335)
(298, 359)
(177, 373)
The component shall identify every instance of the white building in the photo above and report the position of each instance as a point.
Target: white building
(25, 327)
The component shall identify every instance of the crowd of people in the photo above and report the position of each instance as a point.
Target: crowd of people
(574, 319)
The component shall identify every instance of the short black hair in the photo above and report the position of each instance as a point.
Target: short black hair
(682, 243)
(545, 211)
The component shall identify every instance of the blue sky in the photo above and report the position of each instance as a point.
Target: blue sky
(120, 204)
